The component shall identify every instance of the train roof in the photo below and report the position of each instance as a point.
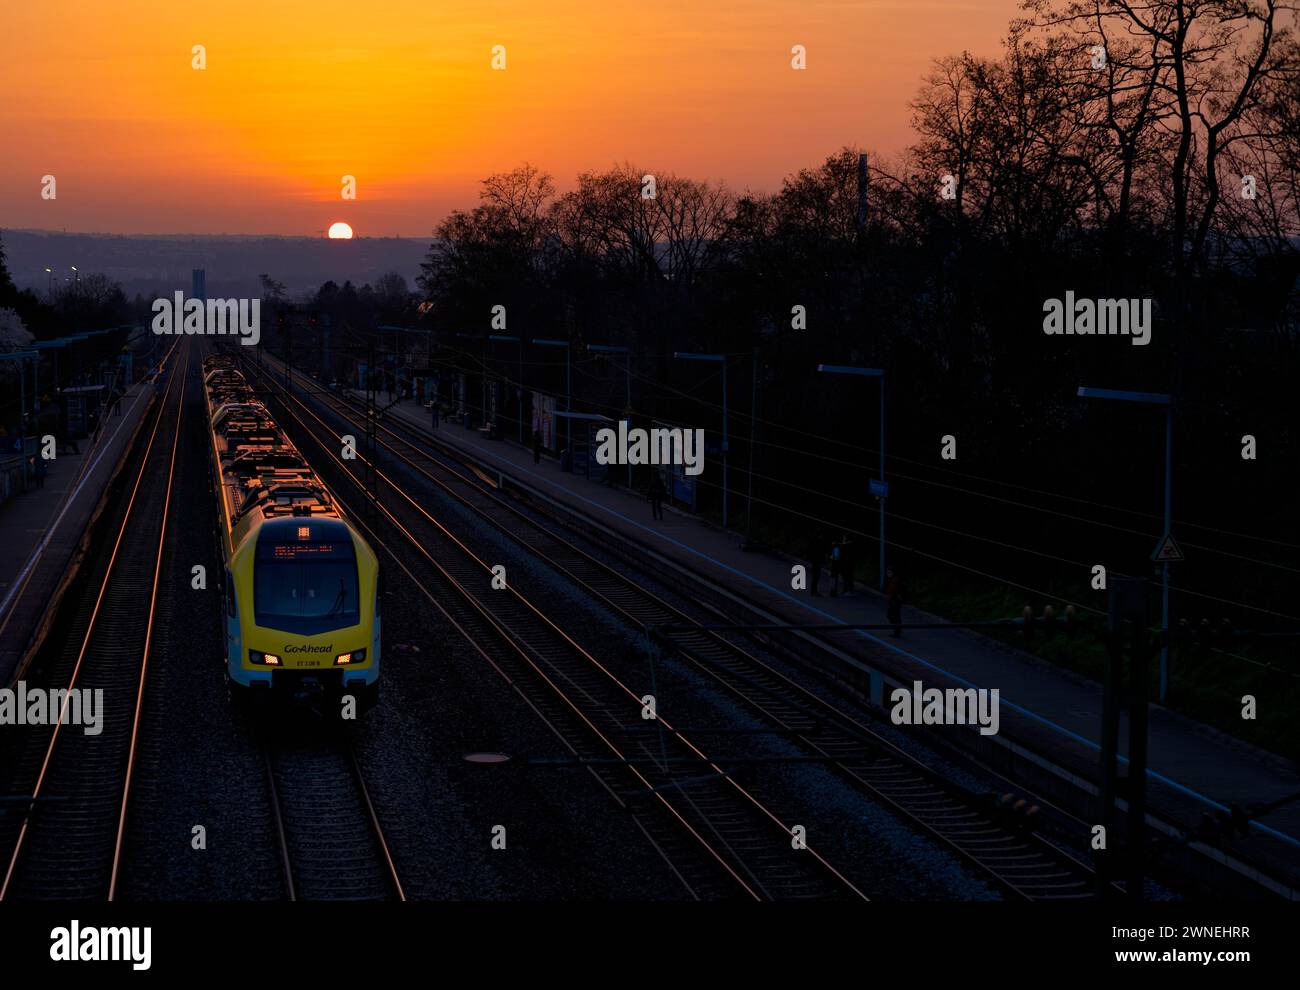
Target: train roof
(265, 480)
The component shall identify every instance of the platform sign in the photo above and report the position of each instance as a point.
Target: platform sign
(76, 405)
(591, 466)
(684, 488)
(544, 418)
(880, 489)
(1167, 549)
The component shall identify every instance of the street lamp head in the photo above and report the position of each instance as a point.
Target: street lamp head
(693, 356)
(1122, 395)
(851, 369)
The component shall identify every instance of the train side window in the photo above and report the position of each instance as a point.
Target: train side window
(231, 600)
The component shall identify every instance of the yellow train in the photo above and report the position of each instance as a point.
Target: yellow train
(301, 585)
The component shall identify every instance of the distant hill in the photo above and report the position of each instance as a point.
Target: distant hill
(157, 264)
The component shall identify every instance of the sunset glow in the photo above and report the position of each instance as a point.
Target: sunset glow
(340, 232)
(402, 95)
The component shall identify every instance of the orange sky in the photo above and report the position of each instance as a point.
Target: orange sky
(401, 95)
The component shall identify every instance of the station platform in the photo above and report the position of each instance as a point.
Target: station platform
(43, 528)
(1049, 716)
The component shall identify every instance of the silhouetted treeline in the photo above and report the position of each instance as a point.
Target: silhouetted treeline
(1114, 150)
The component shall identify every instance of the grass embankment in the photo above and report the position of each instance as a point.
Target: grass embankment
(1204, 684)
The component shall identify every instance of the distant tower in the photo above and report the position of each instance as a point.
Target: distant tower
(199, 288)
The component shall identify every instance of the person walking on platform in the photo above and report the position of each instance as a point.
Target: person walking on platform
(894, 601)
(434, 407)
(41, 470)
(657, 493)
(537, 446)
(837, 565)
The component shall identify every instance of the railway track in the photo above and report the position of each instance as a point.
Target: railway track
(717, 837)
(1021, 863)
(322, 810)
(66, 842)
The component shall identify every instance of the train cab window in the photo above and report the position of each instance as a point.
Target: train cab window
(306, 587)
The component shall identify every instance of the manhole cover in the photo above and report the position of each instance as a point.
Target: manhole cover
(487, 758)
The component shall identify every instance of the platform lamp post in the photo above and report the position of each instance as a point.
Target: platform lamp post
(721, 359)
(19, 357)
(519, 387)
(462, 355)
(53, 346)
(1155, 399)
(749, 543)
(879, 487)
(627, 372)
(568, 388)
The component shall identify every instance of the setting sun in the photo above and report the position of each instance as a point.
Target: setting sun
(406, 99)
(340, 231)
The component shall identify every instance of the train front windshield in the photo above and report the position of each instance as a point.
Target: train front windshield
(306, 586)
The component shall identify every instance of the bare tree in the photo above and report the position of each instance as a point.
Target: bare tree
(695, 217)
(1193, 69)
(607, 217)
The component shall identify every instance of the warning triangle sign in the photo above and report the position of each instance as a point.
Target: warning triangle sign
(1167, 550)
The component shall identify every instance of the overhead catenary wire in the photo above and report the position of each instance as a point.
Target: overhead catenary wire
(956, 564)
(741, 438)
(1092, 522)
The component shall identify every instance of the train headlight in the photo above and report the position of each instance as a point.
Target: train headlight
(356, 656)
(266, 659)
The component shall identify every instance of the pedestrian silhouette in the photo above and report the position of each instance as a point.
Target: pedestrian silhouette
(657, 493)
(537, 446)
(837, 565)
